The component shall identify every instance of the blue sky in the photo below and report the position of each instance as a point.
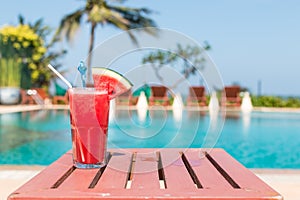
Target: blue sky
(251, 40)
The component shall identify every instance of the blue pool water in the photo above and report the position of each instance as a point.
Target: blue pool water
(259, 140)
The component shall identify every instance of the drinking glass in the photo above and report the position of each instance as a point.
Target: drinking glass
(89, 113)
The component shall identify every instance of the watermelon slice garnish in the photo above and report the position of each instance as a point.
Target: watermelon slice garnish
(114, 82)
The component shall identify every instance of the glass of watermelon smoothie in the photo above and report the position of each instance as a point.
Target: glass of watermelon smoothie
(89, 113)
(89, 110)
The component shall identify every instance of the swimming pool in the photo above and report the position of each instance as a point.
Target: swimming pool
(259, 140)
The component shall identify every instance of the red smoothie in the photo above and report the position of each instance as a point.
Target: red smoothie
(89, 110)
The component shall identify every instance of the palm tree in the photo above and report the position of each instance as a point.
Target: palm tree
(100, 12)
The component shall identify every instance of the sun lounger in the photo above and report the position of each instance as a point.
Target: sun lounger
(231, 96)
(196, 96)
(26, 98)
(159, 96)
(33, 96)
(61, 99)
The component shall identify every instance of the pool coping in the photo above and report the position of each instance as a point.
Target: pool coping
(8, 167)
(20, 108)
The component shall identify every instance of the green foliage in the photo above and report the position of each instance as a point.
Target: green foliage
(189, 58)
(39, 73)
(274, 101)
(19, 45)
(10, 72)
(24, 55)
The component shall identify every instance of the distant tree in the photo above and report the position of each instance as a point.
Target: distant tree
(100, 12)
(189, 55)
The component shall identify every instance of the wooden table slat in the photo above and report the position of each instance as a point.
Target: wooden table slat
(176, 175)
(244, 178)
(80, 179)
(207, 174)
(145, 175)
(116, 173)
(44, 180)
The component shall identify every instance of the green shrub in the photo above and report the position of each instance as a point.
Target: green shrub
(20, 48)
(275, 101)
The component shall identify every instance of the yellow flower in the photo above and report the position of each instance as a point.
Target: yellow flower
(36, 57)
(35, 74)
(16, 45)
(32, 66)
(23, 38)
(41, 50)
(25, 44)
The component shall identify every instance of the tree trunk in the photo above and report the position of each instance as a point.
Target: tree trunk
(89, 58)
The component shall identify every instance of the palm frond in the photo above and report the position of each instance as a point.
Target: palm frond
(21, 19)
(41, 29)
(135, 19)
(136, 16)
(133, 38)
(70, 24)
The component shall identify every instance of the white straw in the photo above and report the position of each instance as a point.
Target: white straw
(60, 76)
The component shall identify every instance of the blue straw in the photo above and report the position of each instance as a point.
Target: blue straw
(82, 70)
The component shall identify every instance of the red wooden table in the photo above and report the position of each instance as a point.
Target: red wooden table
(149, 174)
